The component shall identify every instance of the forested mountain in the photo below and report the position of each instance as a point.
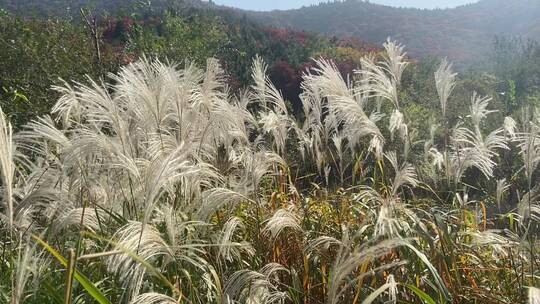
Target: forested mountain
(463, 34)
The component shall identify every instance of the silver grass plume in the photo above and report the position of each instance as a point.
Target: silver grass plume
(437, 158)
(28, 264)
(343, 104)
(255, 287)
(502, 188)
(346, 262)
(445, 81)
(259, 71)
(510, 127)
(478, 110)
(152, 298)
(7, 166)
(534, 295)
(281, 220)
(273, 117)
(397, 123)
(216, 198)
(529, 144)
(394, 59)
(93, 217)
(499, 243)
(146, 244)
(469, 148)
(390, 286)
(42, 137)
(529, 205)
(375, 81)
(404, 174)
(393, 219)
(229, 250)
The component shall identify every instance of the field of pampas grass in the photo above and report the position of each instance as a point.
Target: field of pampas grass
(160, 186)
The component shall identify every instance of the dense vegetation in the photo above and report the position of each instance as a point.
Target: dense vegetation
(189, 155)
(38, 53)
(161, 187)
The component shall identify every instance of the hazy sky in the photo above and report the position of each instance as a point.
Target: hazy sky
(288, 4)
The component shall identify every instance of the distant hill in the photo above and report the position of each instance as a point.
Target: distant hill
(463, 34)
(66, 8)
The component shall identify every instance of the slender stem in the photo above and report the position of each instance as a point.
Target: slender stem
(70, 273)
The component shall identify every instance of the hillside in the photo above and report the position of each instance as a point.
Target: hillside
(462, 34)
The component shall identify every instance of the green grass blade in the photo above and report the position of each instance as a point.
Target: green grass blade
(422, 295)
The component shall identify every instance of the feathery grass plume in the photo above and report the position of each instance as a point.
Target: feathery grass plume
(437, 158)
(281, 220)
(152, 298)
(387, 224)
(68, 108)
(348, 261)
(276, 125)
(259, 75)
(273, 115)
(478, 110)
(510, 127)
(529, 144)
(216, 198)
(502, 188)
(394, 218)
(176, 167)
(376, 145)
(390, 286)
(534, 295)
(230, 250)
(375, 82)
(394, 59)
(255, 166)
(430, 143)
(337, 140)
(342, 104)
(445, 82)
(317, 126)
(469, 148)
(27, 265)
(404, 174)
(7, 167)
(73, 218)
(253, 287)
(325, 242)
(145, 243)
(397, 123)
(494, 239)
(103, 112)
(146, 90)
(43, 138)
(529, 205)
